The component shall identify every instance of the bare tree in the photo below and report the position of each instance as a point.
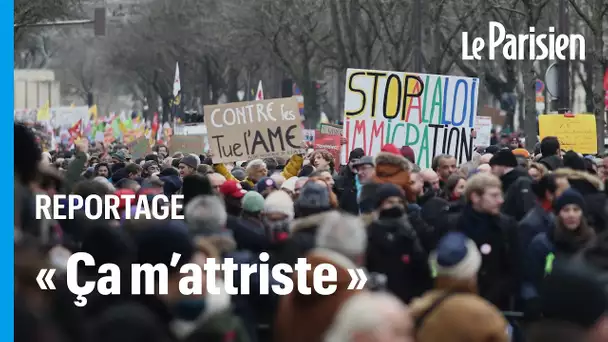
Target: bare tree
(148, 48)
(595, 13)
(28, 12)
(284, 28)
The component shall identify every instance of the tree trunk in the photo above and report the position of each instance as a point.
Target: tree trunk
(598, 85)
(530, 122)
(233, 85)
(311, 104)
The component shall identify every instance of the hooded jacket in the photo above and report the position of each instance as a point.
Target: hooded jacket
(395, 169)
(306, 318)
(592, 189)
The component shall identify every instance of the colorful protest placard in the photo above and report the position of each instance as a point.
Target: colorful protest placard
(328, 138)
(433, 114)
(194, 143)
(251, 130)
(575, 132)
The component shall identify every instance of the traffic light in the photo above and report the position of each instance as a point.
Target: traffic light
(321, 91)
(99, 22)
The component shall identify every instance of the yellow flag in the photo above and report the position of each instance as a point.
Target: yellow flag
(93, 112)
(44, 113)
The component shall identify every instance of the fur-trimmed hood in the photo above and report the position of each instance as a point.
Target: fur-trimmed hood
(575, 176)
(394, 169)
(308, 222)
(386, 158)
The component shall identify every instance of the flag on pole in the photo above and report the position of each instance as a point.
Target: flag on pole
(259, 95)
(177, 89)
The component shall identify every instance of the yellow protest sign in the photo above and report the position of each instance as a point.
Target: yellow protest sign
(575, 132)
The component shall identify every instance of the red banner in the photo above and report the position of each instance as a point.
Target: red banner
(328, 142)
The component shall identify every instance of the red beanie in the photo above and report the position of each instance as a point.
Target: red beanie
(408, 153)
(390, 148)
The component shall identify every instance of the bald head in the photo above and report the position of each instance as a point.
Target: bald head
(429, 176)
(485, 159)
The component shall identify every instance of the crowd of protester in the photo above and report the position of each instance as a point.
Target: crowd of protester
(510, 246)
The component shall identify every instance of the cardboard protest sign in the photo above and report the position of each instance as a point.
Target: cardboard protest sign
(575, 132)
(483, 128)
(188, 143)
(140, 148)
(251, 130)
(328, 138)
(433, 114)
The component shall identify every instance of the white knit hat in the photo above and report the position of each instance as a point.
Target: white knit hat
(279, 202)
(456, 256)
(290, 184)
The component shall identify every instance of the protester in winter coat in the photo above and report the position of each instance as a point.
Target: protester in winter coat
(394, 248)
(341, 241)
(372, 316)
(265, 186)
(570, 235)
(596, 255)
(539, 219)
(445, 166)
(536, 171)
(495, 235)
(592, 189)
(172, 183)
(248, 230)
(195, 185)
(367, 198)
(395, 169)
(187, 165)
(454, 187)
(453, 311)
(516, 184)
(102, 170)
(348, 184)
(431, 186)
(551, 153)
(574, 306)
(322, 160)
